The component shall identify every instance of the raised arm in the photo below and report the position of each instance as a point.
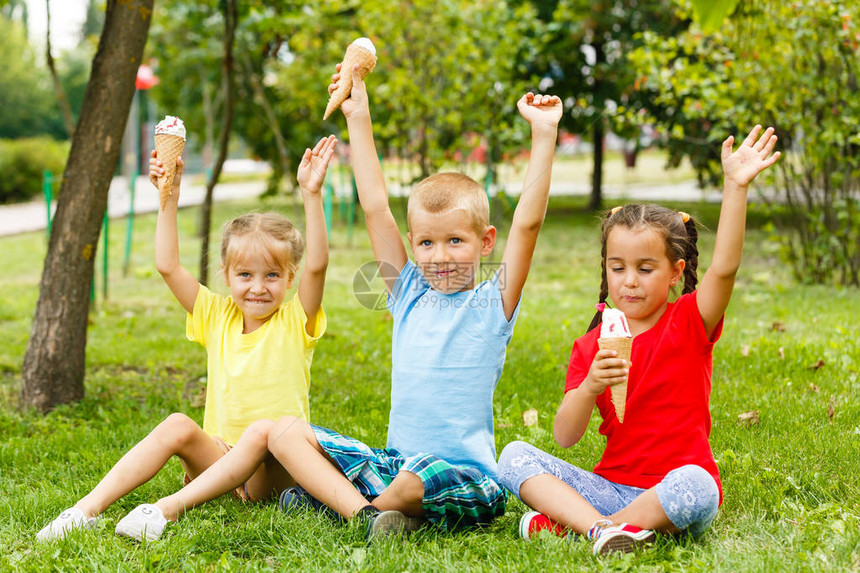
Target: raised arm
(543, 112)
(311, 175)
(385, 236)
(182, 283)
(739, 169)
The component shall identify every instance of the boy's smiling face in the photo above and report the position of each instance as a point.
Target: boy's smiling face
(448, 249)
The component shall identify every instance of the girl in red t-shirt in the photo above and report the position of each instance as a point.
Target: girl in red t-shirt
(657, 473)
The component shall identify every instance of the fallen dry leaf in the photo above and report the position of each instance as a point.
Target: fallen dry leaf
(831, 408)
(777, 326)
(745, 350)
(817, 365)
(530, 417)
(749, 418)
(781, 352)
(814, 388)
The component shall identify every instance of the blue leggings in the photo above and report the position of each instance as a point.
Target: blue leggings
(688, 494)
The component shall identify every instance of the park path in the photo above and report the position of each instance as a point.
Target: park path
(28, 217)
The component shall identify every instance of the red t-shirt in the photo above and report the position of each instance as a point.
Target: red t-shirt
(667, 421)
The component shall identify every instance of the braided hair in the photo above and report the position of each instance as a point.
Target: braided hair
(678, 229)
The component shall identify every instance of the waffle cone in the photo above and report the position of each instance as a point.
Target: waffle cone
(169, 148)
(354, 55)
(623, 346)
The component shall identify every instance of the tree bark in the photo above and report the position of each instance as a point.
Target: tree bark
(54, 362)
(62, 100)
(231, 18)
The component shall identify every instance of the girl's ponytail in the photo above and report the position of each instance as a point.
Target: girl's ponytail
(691, 255)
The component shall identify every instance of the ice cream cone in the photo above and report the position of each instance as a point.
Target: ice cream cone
(355, 54)
(169, 148)
(623, 346)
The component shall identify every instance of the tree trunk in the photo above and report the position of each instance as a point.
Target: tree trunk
(596, 201)
(230, 22)
(62, 100)
(54, 363)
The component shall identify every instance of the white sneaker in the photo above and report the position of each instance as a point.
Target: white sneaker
(144, 521)
(72, 518)
(622, 538)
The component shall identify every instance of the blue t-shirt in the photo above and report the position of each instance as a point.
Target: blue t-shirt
(447, 355)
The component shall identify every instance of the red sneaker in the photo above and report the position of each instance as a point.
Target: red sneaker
(624, 538)
(533, 523)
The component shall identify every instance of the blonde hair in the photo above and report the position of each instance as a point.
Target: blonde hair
(445, 191)
(269, 235)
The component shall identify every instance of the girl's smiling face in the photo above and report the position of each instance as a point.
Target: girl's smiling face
(639, 274)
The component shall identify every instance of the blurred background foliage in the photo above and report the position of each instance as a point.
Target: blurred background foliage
(678, 74)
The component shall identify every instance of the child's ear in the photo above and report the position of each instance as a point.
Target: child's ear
(678, 270)
(488, 241)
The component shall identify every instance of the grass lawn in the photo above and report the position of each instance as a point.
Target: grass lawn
(789, 352)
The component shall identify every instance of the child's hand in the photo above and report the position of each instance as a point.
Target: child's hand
(541, 110)
(606, 370)
(156, 170)
(751, 158)
(357, 100)
(314, 164)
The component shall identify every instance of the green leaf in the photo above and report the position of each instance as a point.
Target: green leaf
(710, 14)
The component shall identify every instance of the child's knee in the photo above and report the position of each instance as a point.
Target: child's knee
(512, 451)
(287, 429)
(178, 427)
(257, 434)
(690, 497)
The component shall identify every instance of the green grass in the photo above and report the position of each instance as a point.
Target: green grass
(791, 493)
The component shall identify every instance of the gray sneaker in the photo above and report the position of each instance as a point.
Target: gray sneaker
(72, 518)
(144, 521)
(392, 522)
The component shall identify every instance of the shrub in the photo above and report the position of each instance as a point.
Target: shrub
(23, 162)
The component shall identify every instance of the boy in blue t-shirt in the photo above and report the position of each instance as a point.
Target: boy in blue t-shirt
(448, 346)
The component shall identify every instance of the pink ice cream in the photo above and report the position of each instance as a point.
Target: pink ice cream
(170, 125)
(614, 323)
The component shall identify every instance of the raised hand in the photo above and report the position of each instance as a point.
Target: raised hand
(156, 170)
(357, 99)
(541, 110)
(751, 158)
(314, 163)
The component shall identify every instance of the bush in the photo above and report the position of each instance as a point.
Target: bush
(22, 163)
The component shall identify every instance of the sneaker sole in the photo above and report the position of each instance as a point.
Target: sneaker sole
(524, 524)
(624, 542)
(393, 523)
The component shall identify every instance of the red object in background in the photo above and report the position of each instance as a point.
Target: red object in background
(146, 78)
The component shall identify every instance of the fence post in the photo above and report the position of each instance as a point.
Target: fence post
(130, 225)
(48, 192)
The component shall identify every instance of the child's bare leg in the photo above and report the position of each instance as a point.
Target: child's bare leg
(554, 498)
(646, 512)
(405, 494)
(176, 435)
(244, 464)
(293, 442)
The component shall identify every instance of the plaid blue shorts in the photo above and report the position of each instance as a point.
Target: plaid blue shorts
(454, 496)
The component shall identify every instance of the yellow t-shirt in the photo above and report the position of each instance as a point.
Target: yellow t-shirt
(262, 374)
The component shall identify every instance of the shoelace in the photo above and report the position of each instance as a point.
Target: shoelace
(597, 527)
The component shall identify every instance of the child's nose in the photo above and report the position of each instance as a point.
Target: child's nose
(631, 279)
(440, 254)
